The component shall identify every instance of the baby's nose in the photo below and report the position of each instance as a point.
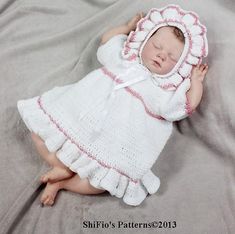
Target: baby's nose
(162, 56)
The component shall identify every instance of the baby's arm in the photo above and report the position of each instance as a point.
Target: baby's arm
(194, 94)
(123, 29)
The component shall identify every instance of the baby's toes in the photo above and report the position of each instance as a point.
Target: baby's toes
(51, 202)
(44, 178)
(47, 201)
(44, 198)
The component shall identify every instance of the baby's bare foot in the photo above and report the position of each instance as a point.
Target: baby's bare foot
(56, 174)
(49, 193)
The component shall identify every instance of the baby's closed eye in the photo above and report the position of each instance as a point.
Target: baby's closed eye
(157, 46)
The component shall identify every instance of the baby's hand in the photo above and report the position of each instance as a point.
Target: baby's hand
(199, 72)
(132, 23)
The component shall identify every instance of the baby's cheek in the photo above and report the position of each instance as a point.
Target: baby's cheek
(147, 50)
(144, 52)
(166, 68)
(169, 67)
(144, 57)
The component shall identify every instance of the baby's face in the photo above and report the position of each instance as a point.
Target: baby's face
(162, 51)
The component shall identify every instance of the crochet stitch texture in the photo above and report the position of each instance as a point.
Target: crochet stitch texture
(111, 126)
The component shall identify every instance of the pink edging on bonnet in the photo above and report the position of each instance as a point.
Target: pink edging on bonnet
(196, 45)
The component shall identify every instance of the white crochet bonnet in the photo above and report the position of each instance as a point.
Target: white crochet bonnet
(196, 45)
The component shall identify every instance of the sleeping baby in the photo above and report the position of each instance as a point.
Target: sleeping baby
(106, 131)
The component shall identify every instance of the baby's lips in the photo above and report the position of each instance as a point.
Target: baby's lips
(158, 62)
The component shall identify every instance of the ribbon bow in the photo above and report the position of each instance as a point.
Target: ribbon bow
(133, 70)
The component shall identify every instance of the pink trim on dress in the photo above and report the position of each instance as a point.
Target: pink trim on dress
(132, 57)
(39, 101)
(132, 92)
(167, 86)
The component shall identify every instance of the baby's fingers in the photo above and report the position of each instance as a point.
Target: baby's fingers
(201, 67)
(203, 72)
(136, 18)
(141, 14)
(205, 69)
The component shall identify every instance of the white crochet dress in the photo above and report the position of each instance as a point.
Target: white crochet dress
(111, 126)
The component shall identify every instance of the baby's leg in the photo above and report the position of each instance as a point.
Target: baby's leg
(57, 173)
(49, 157)
(78, 185)
(74, 184)
(59, 170)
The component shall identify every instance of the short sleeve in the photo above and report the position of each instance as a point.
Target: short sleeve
(177, 106)
(110, 52)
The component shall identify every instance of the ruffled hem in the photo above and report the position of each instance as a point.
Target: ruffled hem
(100, 176)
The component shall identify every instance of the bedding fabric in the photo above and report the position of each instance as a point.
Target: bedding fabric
(44, 44)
